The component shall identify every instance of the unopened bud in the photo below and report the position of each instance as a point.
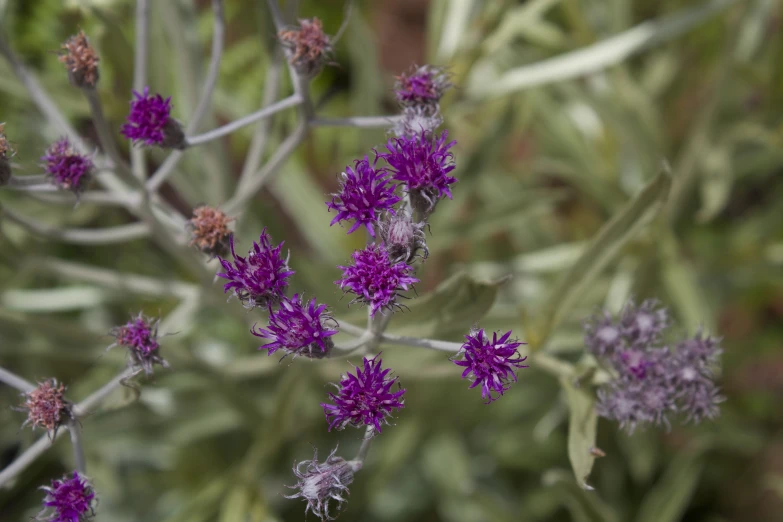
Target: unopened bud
(81, 60)
(209, 230)
(307, 45)
(46, 407)
(403, 237)
(321, 482)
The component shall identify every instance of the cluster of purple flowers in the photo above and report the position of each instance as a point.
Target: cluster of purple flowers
(652, 381)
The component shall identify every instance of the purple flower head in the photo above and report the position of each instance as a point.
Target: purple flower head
(375, 279)
(643, 324)
(417, 120)
(492, 362)
(603, 337)
(403, 237)
(47, 407)
(693, 378)
(423, 85)
(261, 277)
(140, 337)
(68, 500)
(150, 122)
(364, 193)
(422, 163)
(298, 328)
(364, 399)
(69, 169)
(321, 482)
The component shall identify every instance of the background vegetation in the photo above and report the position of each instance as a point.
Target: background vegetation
(542, 167)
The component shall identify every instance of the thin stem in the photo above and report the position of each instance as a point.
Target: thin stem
(431, 344)
(358, 462)
(214, 134)
(274, 10)
(26, 181)
(82, 236)
(164, 171)
(361, 122)
(78, 448)
(218, 35)
(138, 163)
(13, 380)
(129, 201)
(99, 395)
(351, 346)
(351, 328)
(105, 135)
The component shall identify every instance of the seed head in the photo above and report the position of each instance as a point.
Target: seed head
(140, 337)
(308, 46)
(364, 399)
(68, 500)
(209, 230)
(81, 60)
(261, 277)
(150, 122)
(68, 169)
(422, 86)
(403, 237)
(46, 407)
(492, 363)
(321, 482)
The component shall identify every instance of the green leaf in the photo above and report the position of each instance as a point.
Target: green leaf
(582, 425)
(668, 499)
(584, 506)
(602, 250)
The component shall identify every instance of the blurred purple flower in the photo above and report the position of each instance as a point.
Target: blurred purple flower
(421, 86)
(140, 337)
(492, 363)
(150, 122)
(321, 482)
(68, 500)
(69, 169)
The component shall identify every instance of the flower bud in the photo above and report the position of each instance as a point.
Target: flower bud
(46, 407)
(209, 230)
(140, 337)
(320, 482)
(403, 238)
(81, 60)
(308, 46)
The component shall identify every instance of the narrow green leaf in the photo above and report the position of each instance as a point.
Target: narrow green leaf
(668, 499)
(582, 425)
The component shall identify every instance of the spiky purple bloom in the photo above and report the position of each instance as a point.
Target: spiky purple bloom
(298, 328)
(492, 362)
(68, 500)
(364, 194)
(69, 169)
(422, 163)
(321, 482)
(375, 279)
(364, 399)
(423, 85)
(150, 122)
(140, 337)
(261, 277)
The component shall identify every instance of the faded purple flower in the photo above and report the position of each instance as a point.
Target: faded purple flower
(422, 163)
(364, 399)
(140, 337)
(423, 85)
(47, 407)
(417, 120)
(694, 360)
(645, 323)
(321, 482)
(69, 169)
(602, 336)
(492, 362)
(364, 193)
(375, 279)
(261, 277)
(308, 46)
(68, 500)
(150, 122)
(403, 237)
(298, 328)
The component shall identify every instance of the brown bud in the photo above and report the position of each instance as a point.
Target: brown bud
(81, 60)
(46, 407)
(308, 46)
(209, 230)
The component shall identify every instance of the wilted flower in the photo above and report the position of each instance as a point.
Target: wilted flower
(5, 152)
(298, 328)
(364, 193)
(694, 360)
(375, 279)
(417, 120)
(402, 237)
(364, 399)
(320, 482)
(261, 277)
(422, 163)
(422, 86)
(81, 60)
(140, 337)
(68, 500)
(150, 122)
(643, 324)
(492, 363)
(68, 169)
(209, 230)
(308, 46)
(47, 407)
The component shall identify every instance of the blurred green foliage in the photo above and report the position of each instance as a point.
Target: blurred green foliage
(542, 169)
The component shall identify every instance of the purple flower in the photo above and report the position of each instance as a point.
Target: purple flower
(693, 362)
(643, 324)
(492, 362)
(422, 163)
(320, 482)
(298, 328)
(365, 398)
(69, 169)
(602, 336)
(150, 122)
(375, 279)
(423, 85)
(47, 407)
(403, 237)
(140, 337)
(68, 500)
(261, 277)
(364, 193)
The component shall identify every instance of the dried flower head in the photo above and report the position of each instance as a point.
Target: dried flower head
(68, 169)
(417, 119)
(364, 399)
(422, 163)
(81, 60)
(375, 279)
(403, 237)
(140, 337)
(47, 407)
(321, 482)
(298, 328)
(150, 122)
(68, 500)
(422, 86)
(492, 362)
(364, 193)
(5, 153)
(308, 46)
(209, 230)
(261, 277)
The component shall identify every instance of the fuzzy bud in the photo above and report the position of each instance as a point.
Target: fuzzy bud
(209, 230)
(403, 238)
(46, 407)
(321, 482)
(140, 337)
(81, 60)
(307, 45)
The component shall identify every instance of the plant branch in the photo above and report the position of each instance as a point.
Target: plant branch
(105, 135)
(361, 122)
(82, 236)
(218, 35)
(138, 163)
(13, 380)
(78, 448)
